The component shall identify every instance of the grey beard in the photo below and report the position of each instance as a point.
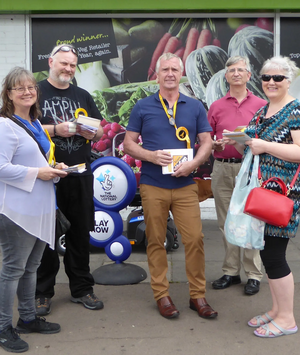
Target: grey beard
(60, 78)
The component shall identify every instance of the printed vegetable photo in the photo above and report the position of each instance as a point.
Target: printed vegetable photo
(204, 45)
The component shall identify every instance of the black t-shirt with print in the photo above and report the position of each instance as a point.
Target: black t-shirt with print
(58, 106)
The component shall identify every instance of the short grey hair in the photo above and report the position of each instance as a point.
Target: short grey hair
(56, 48)
(238, 58)
(281, 63)
(168, 56)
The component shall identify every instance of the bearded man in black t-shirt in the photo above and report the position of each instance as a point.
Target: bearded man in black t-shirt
(59, 100)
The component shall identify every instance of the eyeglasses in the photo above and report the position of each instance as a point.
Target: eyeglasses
(239, 70)
(277, 78)
(66, 48)
(21, 90)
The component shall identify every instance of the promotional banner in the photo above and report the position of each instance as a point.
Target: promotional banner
(289, 35)
(93, 41)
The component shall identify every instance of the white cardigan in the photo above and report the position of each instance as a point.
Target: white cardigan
(27, 201)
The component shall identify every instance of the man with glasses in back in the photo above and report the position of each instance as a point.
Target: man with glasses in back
(171, 120)
(235, 109)
(59, 100)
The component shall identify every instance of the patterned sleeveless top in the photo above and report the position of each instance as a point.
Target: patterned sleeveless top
(278, 129)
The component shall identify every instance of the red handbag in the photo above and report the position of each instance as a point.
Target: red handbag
(270, 206)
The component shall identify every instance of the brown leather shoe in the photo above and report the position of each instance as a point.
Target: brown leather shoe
(167, 308)
(202, 307)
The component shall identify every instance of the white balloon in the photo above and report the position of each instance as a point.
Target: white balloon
(116, 248)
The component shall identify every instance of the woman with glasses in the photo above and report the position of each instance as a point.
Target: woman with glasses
(278, 144)
(27, 206)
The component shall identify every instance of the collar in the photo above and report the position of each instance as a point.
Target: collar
(57, 87)
(180, 99)
(228, 96)
(34, 123)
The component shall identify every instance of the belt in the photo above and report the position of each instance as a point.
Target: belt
(230, 160)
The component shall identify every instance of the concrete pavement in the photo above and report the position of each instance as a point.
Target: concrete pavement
(130, 323)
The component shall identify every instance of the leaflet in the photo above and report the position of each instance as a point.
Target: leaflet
(88, 123)
(179, 156)
(78, 168)
(240, 129)
(240, 137)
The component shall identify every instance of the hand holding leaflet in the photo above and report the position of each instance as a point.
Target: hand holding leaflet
(78, 168)
(238, 135)
(179, 156)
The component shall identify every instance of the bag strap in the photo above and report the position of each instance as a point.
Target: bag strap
(280, 182)
(21, 124)
(294, 178)
(259, 172)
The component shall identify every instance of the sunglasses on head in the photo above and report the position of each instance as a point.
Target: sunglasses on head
(66, 48)
(276, 78)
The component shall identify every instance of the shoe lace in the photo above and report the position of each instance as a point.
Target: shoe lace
(15, 334)
(41, 302)
(92, 297)
(12, 334)
(40, 319)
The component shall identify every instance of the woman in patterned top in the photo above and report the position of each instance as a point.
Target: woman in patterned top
(278, 127)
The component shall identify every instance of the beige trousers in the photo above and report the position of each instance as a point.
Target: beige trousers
(222, 184)
(184, 205)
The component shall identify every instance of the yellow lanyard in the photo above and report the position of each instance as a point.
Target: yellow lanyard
(51, 160)
(171, 119)
(181, 133)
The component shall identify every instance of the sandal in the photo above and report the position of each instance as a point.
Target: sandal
(273, 333)
(260, 321)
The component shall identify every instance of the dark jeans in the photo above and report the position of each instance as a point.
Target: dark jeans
(75, 199)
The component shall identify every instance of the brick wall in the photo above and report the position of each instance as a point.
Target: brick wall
(14, 49)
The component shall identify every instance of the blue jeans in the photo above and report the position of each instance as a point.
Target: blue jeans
(21, 255)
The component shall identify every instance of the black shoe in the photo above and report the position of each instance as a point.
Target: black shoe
(38, 325)
(42, 306)
(252, 287)
(10, 341)
(226, 281)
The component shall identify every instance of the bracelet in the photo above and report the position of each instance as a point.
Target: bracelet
(54, 129)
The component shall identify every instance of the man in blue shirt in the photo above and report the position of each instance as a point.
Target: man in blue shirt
(158, 118)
